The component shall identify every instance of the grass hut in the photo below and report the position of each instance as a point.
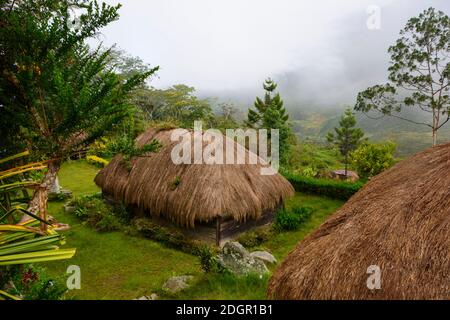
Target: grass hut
(209, 201)
(399, 221)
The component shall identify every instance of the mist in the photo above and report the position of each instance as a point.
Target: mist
(321, 53)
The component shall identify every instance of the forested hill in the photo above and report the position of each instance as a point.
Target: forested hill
(314, 123)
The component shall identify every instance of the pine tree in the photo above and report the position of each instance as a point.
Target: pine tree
(347, 138)
(269, 113)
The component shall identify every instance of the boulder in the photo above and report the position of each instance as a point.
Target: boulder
(236, 259)
(264, 256)
(62, 195)
(69, 208)
(177, 284)
(153, 296)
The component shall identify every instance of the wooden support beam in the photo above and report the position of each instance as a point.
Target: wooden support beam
(218, 226)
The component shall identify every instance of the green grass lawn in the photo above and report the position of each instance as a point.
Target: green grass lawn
(115, 265)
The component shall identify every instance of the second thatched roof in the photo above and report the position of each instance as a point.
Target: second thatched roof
(191, 193)
(399, 222)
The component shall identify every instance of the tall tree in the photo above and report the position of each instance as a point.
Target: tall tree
(178, 103)
(419, 73)
(269, 113)
(57, 93)
(346, 137)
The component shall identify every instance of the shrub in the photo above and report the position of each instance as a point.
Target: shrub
(330, 188)
(371, 159)
(33, 283)
(100, 148)
(170, 237)
(97, 161)
(293, 219)
(108, 222)
(256, 237)
(97, 213)
(309, 172)
(208, 260)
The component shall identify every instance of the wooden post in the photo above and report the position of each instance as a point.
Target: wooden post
(218, 220)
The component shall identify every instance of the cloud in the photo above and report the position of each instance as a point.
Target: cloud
(320, 51)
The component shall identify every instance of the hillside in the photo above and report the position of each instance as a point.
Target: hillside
(313, 124)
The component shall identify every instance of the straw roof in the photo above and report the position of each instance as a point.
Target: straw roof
(399, 221)
(190, 193)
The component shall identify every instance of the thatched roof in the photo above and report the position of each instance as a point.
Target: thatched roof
(202, 192)
(399, 221)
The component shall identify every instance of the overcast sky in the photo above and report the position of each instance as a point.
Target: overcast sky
(321, 52)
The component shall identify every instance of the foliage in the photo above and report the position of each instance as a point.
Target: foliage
(371, 159)
(419, 73)
(226, 119)
(95, 160)
(324, 187)
(126, 146)
(271, 114)
(313, 159)
(346, 137)
(34, 240)
(59, 91)
(25, 242)
(289, 220)
(208, 260)
(100, 148)
(97, 213)
(33, 283)
(255, 237)
(168, 236)
(309, 172)
(177, 103)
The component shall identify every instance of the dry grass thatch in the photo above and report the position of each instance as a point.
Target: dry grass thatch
(190, 193)
(399, 221)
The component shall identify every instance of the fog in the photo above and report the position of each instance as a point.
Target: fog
(320, 52)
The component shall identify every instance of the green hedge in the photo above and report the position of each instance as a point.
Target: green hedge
(330, 188)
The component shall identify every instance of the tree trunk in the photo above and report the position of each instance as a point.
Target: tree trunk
(435, 125)
(346, 164)
(434, 137)
(40, 196)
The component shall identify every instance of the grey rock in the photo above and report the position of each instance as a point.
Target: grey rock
(153, 296)
(69, 208)
(177, 284)
(264, 256)
(63, 194)
(236, 259)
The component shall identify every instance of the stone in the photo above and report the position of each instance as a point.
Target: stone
(69, 208)
(153, 296)
(264, 256)
(62, 195)
(236, 259)
(177, 284)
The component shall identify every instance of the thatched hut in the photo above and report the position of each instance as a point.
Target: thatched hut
(399, 222)
(210, 201)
